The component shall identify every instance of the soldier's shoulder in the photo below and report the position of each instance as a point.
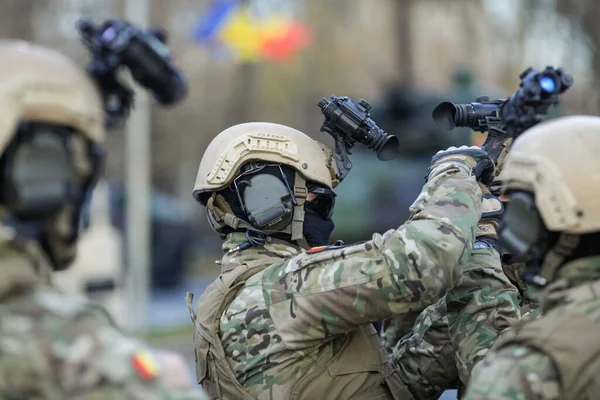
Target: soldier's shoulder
(589, 308)
(58, 342)
(319, 256)
(319, 249)
(46, 302)
(521, 353)
(515, 371)
(332, 253)
(53, 316)
(537, 366)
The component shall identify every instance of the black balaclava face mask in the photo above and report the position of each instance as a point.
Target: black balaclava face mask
(316, 229)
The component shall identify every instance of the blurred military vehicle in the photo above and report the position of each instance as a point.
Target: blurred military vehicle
(388, 188)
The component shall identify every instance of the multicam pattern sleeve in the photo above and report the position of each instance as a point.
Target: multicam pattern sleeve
(515, 373)
(315, 296)
(424, 358)
(480, 308)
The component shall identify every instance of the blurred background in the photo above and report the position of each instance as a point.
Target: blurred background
(272, 60)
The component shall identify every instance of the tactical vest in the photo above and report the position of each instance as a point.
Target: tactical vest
(359, 371)
(570, 340)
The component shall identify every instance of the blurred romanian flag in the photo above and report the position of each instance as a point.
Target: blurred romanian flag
(229, 25)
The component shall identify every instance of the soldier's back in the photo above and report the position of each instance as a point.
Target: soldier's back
(556, 356)
(567, 334)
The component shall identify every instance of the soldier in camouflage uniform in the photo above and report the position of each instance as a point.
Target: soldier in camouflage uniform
(53, 346)
(553, 222)
(285, 321)
(433, 355)
(451, 336)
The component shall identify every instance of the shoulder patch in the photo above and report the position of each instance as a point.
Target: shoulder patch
(319, 249)
(145, 364)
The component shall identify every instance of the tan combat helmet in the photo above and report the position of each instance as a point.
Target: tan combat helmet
(266, 142)
(558, 161)
(40, 84)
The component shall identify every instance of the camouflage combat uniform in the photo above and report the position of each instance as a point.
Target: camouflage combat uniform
(557, 355)
(57, 347)
(282, 323)
(448, 338)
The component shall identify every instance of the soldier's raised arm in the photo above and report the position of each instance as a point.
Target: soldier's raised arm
(333, 290)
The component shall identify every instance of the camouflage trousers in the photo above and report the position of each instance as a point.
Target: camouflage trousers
(436, 349)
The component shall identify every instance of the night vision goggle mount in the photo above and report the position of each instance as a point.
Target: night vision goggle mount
(349, 121)
(117, 43)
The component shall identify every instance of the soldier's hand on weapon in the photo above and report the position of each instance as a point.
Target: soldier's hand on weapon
(473, 159)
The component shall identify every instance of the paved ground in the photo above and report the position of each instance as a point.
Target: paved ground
(168, 311)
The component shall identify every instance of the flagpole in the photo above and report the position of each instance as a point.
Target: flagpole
(137, 145)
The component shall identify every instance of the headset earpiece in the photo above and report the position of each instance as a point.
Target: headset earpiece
(37, 172)
(267, 202)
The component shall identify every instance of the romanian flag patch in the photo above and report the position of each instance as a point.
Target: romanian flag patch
(317, 249)
(145, 364)
(337, 245)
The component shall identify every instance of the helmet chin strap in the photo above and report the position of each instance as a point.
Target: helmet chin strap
(220, 215)
(296, 228)
(300, 192)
